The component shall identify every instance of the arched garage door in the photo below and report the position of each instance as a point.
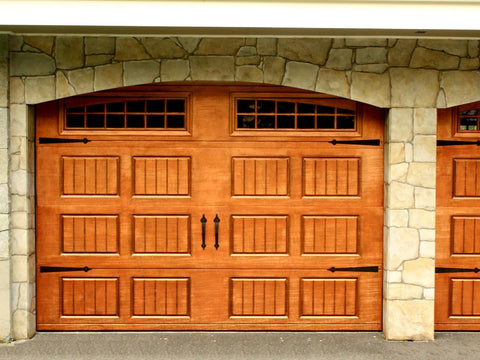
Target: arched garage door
(209, 207)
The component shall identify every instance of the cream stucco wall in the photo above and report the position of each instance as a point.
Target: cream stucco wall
(409, 77)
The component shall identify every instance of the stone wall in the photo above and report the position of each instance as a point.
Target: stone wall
(411, 77)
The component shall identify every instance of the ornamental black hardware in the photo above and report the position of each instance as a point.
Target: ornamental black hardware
(373, 142)
(203, 220)
(44, 140)
(442, 270)
(51, 269)
(355, 269)
(216, 221)
(457, 142)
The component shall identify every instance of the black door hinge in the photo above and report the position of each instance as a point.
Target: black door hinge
(46, 140)
(50, 269)
(355, 269)
(457, 142)
(442, 270)
(373, 142)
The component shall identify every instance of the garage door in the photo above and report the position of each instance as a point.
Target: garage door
(209, 207)
(458, 219)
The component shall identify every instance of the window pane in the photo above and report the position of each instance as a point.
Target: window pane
(246, 121)
(306, 122)
(286, 122)
(468, 123)
(156, 106)
(284, 107)
(116, 107)
(245, 106)
(135, 121)
(266, 122)
(95, 121)
(306, 108)
(326, 122)
(115, 121)
(136, 106)
(325, 109)
(78, 109)
(345, 122)
(96, 108)
(176, 106)
(175, 122)
(345, 111)
(265, 106)
(155, 121)
(75, 121)
(470, 112)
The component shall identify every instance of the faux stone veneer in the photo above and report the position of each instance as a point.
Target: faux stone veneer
(411, 77)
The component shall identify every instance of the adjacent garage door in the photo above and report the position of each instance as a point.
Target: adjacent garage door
(458, 219)
(209, 207)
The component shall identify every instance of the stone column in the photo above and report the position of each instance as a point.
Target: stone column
(410, 176)
(5, 279)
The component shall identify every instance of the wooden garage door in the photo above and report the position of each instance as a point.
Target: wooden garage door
(209, 207)
(458, 219)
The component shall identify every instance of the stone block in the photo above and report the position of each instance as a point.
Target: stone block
(461, 87)
(393, 276)
(469, 64)
(300, 75)
(396, 218)
(333, 82)
(247, 51)
(398, 172)
(249, 74)
(69, 52)
(409, 320)
(212, 68)
(163, 48)
(267, 46)
(402, 244)
(250, 41)
(400, 125)
(95, 60)
(473, 48)
(82, 80)
(371, 55)
(338, 43)
(31, 64)
(429, 294)
(419, 272)
(371, 68)
(140, 72)
(371, 88)
(425, 121)
(396, 153)
(63, 87)
(340, 59)
(175, 70)
(427, 235)
(4, 201)
(19, 182)
(19, 268)
(4, 243)
(19, 236)
(362, 42)
(190, 44)
(400, 195)
(273, 70)
(401, 53)
(404, 292)
(219, 46)
(408, 152)
(248, 60)
(427, 249)
(4, 222)
(432, 59)
(108, 77)
(421, 219)
(454, 47)
(42, 43)
(425, 198)
(425, 148)
(414, 87)
(314, 51)
(99, 45)
(39, 89)
(130, 49)
(17, 90)
(422, 174)
(5, 307)
(22, 322)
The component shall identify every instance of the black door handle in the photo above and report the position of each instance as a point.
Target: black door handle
(216, 221)
(203, 220)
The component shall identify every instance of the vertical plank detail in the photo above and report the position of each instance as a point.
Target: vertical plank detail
(331, 176)
(260, 176)
(465, 297)
(260, 234)
(161, 296)
(330, 234)
(90, 233)
(90, 175)
(466, 235)
(90, 297)
(161, 176)
(328, 297)
(466, 178)
(167, 234)
(258, 297)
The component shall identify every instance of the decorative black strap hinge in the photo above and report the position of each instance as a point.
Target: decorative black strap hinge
(355, 269)
(45, 140)
(457, 142)
(442, 270)
(373, 142)
(50, 269)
